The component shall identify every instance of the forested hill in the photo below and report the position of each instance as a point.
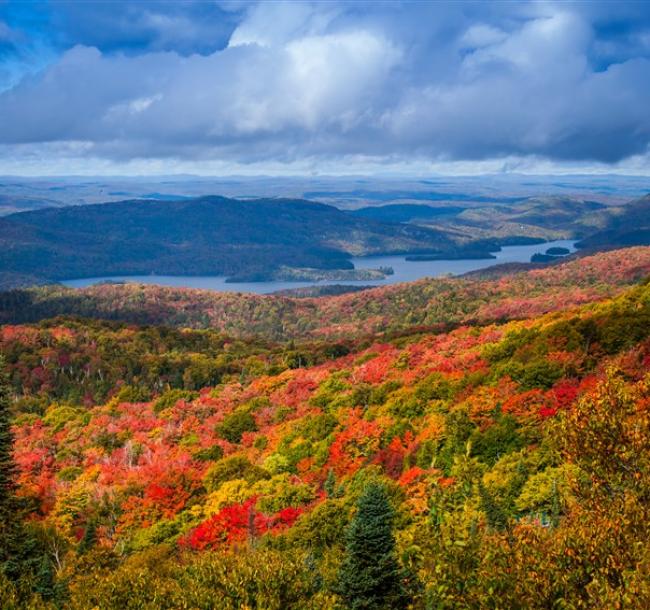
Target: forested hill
(630, 227)
(427, 302)
(491, 466)
(207, 235)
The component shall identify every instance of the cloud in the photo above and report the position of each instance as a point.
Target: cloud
(289, 82)
(162, 102)
(132, 27)
(275, 23)
(482, 35)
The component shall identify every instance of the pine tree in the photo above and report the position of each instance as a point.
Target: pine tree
(7, 466)
(370, 577)
(23, 558)
(89, 538)
(9, 514)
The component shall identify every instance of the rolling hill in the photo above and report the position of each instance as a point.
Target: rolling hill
(203, 236)
(406, 212)
(630, 226)
(487, 296)
(510, 453)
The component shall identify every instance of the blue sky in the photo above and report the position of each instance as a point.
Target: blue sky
(324, 87)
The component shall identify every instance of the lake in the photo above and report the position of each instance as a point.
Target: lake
(405, 271)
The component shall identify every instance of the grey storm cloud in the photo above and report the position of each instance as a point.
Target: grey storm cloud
(285, 81)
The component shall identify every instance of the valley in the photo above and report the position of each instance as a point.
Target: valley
(228, 384)
(329, 305)
(367, 272)
(486, 409)
(247, 241)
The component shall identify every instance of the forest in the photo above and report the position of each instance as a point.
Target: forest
(489, 449)
(247, 239)
(490, 295)
(415, 371)
(261, 239)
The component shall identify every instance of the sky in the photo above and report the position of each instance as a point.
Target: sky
(303, 88)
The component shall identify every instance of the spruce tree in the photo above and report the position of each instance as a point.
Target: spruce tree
(9, 518)
(370, 577)
(7, 465)
(23, 557)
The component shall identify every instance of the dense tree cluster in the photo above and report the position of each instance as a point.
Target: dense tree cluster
(247, 240)
(85, 362)
(428, 303)
(489, 465)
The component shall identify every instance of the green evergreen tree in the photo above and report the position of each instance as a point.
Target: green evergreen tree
(45, 579)
(9, 514)
(7, 466)
(23, 556)
(370, 577)
(89, 538)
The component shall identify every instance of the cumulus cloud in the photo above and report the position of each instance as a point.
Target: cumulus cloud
(326, 81)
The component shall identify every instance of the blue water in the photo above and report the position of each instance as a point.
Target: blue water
(405, 271)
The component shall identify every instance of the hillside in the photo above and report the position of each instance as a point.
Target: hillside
(427, 302)
(406, 212)
(541, 218)
(510, 221)
(203, 236)
(630, 226)
(514, 458)
(263, 239)
(10, 204)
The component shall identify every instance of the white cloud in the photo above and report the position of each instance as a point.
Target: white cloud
(325, 84)
(482, 35)
(276, 23)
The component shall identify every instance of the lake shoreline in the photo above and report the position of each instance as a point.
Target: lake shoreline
(404, 271)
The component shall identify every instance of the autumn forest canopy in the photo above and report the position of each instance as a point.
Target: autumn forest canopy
(465, 442)
(329, 305)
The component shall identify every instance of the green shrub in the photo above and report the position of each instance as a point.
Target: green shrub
(233, 467)
(131, 393)
(69, 473)
(209, 454)
(498, 439)
(235, 424)
(538, 373)
(171, 397)
(57, 416)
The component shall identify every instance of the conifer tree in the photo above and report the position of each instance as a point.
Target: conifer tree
(370, 576)
(8, 505)
(23, 558)
(7, 466)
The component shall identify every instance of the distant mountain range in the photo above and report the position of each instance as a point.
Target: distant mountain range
(243, 239)
(19, 194)
(256, 239)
